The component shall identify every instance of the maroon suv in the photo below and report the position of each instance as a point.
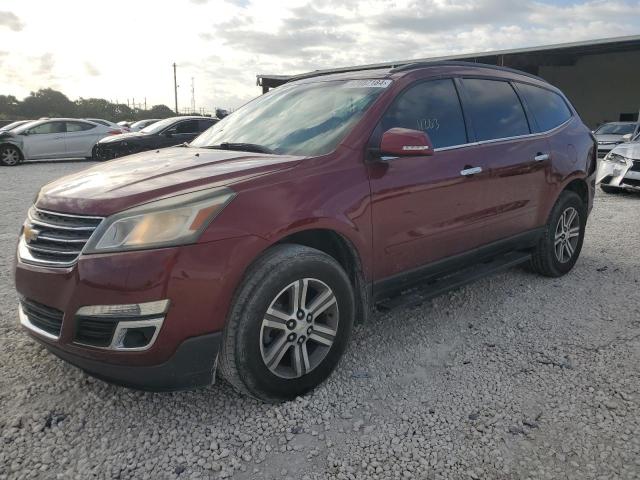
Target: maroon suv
(255, 248)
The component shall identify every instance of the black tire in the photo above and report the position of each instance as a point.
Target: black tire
(607, 189)
(241, 360)
(10, 156)
(544, 259)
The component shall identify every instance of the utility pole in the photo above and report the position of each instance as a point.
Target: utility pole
(145, 103)
(193, 96)
(175, 87)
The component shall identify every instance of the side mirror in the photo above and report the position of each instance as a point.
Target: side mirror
(403, 142)
(627, 137)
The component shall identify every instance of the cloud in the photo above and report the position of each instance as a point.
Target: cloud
(46, 64)
(11, 21)
(91, 70)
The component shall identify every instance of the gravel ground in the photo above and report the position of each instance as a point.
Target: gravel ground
(515, 376)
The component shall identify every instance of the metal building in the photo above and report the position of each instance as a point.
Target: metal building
(599, 76)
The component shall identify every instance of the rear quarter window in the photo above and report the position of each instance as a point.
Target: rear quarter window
(548, 108)
(495, 109)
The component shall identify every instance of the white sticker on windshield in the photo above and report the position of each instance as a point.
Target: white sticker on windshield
(370, 83)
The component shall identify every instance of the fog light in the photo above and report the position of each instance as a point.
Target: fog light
(130, 327)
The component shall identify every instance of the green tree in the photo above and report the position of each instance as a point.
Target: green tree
(8, 107)
(47, 102)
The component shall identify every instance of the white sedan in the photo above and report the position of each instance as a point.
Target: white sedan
(51, 138)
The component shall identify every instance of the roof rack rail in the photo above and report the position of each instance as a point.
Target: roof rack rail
(460, 63)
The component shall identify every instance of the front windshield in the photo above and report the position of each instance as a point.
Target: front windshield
(616, 129)
(156, 127)
(305, 119)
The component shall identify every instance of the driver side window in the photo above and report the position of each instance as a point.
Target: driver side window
(49, 127)
(432, 107)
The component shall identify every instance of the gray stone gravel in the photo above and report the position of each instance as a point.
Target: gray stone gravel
(515, 376)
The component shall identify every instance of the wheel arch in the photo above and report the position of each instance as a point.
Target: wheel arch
(343, 250)
(579, 186)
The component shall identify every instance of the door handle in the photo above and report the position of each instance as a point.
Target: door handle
(58, 138)
(541, 157)
(471, 171)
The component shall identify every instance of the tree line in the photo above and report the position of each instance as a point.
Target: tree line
(51, 103)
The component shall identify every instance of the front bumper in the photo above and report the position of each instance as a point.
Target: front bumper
(192, 365)
(198, 280)
(621, 176)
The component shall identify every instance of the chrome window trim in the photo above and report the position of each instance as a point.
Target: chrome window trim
(505, 139)
(25, 322)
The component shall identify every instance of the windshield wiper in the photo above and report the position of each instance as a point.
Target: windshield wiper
(243, 147)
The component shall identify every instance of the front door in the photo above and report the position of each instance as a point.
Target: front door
(45, 140)
(426, 208)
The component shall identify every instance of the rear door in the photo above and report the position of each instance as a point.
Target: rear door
(515, 160)
(425, 208)
(45, 140)
(81, 137)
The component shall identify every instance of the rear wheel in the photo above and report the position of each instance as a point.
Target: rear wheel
(607, 189)
(10, 155)
(560, 245)
(289, 325)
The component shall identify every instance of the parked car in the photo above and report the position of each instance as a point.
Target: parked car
(257, 247)
(165, 133)
(140, 124)
(52, 138)
(107, 123)
(611, 134)
(620, 169)
(13, 125)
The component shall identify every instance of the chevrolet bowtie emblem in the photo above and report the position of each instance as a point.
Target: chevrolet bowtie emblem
(30, 234)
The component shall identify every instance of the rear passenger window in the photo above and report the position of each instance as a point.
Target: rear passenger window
(495, 109)
(434, 108)
(548, 108)
(79, 126)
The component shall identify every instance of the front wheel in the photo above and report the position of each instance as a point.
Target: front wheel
(289, 325)
(10, 156)
(559, 247)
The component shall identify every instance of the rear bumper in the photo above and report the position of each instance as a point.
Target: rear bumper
(192, 365)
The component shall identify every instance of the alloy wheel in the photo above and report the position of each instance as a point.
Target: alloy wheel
(299, 328)
(10, 156)
(567, 235)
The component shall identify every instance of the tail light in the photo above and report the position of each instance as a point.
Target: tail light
(115, 132)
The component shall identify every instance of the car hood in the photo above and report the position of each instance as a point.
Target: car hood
(120, 184)
(609, 138)
(628, 150)
(129, 136)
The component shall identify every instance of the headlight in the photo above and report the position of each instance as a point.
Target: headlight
(615, 158)
(172, 221)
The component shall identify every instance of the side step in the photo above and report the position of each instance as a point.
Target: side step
(435, 287)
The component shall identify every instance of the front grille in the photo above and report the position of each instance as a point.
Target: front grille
(40, 316)
(55, 239)
(95, 332)
(636, 166)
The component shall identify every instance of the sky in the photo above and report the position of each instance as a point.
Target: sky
(122, 50)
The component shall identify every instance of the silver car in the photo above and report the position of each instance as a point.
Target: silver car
(51, 138)
(614, 133)
(620, 168)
